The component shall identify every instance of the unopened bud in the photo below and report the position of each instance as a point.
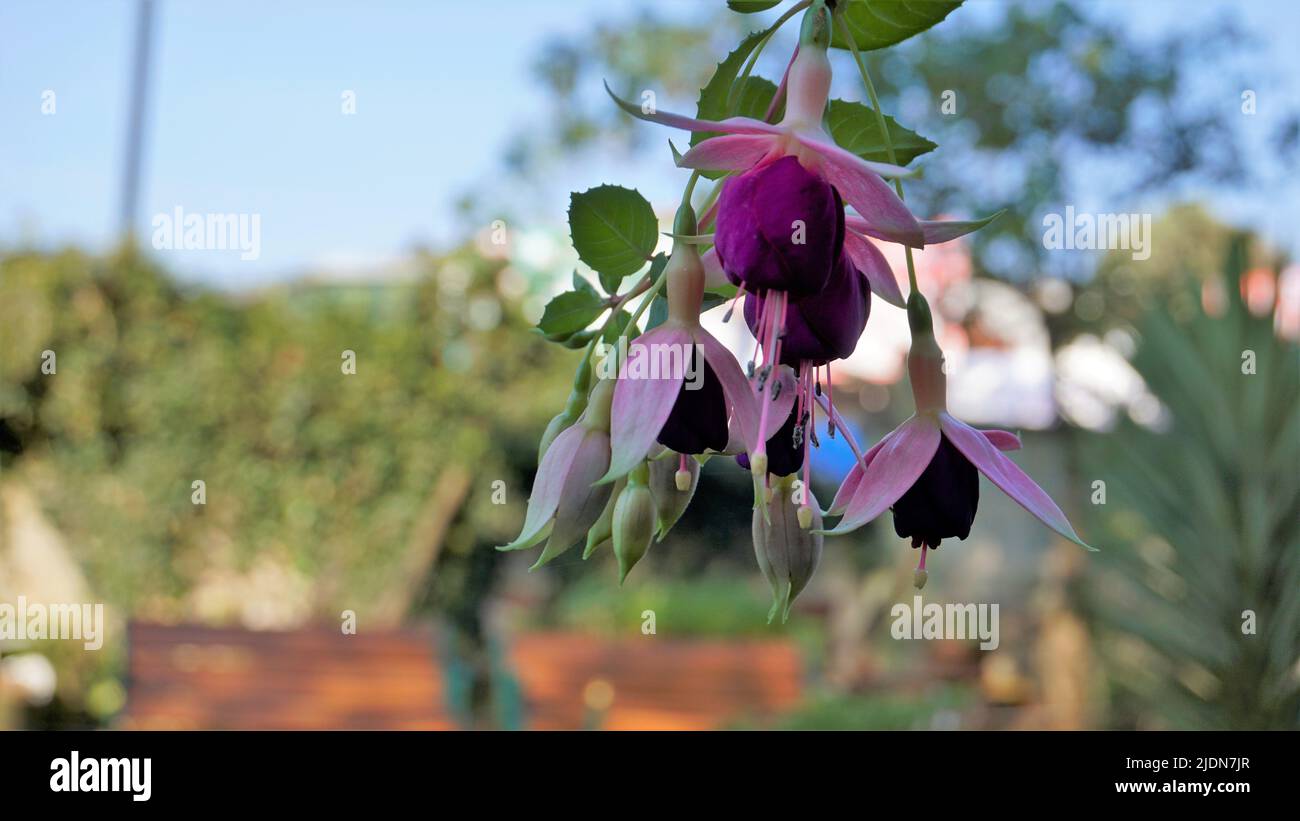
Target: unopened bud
(634, 521)
(788, 552)
(603, 530)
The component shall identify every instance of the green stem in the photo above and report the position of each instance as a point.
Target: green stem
(884, 132)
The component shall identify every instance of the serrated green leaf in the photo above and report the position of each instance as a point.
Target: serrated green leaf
(569, 313)
(855, 127)
(876, 24)
(614, 231)
(752, 6)
(715, 98)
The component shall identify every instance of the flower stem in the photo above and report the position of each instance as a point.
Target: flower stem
(884, 132)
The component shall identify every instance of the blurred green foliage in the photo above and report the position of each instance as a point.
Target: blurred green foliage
(1200, 609)
(935, 707)
(326, 475)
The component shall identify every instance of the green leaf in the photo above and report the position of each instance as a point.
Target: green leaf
(855, 127)
(658, 312)
(878, 23)
(622, 322)
(580, 283)
(752, 98)
(715, 98)
(569, 313)
(614, 231)
(751, 6)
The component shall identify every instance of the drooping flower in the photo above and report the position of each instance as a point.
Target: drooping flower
(779, 225)
(565, 504)
(924, 469)
(787, 549)
(654, 401)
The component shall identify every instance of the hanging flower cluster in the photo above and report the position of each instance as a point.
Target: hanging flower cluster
(620, 464)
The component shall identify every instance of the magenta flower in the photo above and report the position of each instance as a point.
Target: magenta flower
(925, 468)
(653, 399)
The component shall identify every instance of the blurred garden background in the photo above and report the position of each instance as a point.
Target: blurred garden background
(382, 493)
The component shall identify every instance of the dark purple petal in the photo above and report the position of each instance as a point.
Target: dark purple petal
(759, 217)
(698, 421)
(784, 455)
(942, 503)
(826, 325)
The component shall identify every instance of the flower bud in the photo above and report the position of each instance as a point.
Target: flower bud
(672, 483)
(603, 530)
(634, 521)
(787, 553)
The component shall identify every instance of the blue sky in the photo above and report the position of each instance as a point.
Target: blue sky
(246, 115)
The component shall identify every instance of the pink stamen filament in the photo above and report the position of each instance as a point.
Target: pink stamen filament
(924, 549)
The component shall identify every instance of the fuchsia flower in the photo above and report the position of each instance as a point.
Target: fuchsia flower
(652, 406)
(925, 468)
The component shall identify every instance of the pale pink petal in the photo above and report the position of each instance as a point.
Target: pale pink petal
(709, 215)
(829, 150)
(714, 276)
(866, 257)
(548, 485)
(901, 460)
(1007, 475)
(780, 409)
(854, 478)
(862, 188)
(731, 125)
(934, 231)
(730, 152)
(582, 502)
(735, 387)
(641, 405)
(1002, 440)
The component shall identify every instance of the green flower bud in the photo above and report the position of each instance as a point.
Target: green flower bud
(603, 530)
(787, 554)
(634, 521)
